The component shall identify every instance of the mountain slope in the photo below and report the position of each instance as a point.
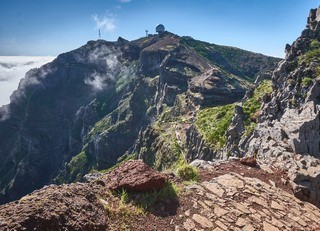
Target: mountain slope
(95, 104)
(279, 123)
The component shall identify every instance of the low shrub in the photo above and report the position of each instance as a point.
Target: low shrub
(188, 173)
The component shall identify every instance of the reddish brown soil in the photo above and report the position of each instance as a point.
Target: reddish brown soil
(167, 215)
(68, 202)
(278, 177)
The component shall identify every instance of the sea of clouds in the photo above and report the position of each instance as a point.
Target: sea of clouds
(13, 69)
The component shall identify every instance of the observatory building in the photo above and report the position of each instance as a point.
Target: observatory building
(160, 28)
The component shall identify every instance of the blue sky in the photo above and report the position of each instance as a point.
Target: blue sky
(51, 27)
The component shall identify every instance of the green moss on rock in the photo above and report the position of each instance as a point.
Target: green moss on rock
(213, 124)
(312, 54)
(251, 107)
(306, 81)
(100, 126)
(78, 166)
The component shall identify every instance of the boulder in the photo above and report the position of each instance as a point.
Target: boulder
(249, 161)
(64, 207)
(305, 179)
(134, 175)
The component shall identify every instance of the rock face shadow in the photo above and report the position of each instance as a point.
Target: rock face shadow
(166, 208)
(160, 203)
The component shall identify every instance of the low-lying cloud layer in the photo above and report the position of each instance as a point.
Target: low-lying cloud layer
(13, 69)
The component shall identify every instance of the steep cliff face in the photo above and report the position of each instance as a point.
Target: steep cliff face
(285, 130)
(95, 104)
(289, 118)
(44, 124)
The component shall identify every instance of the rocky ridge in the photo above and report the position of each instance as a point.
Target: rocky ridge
(97, 105)
(180, 84)
(287, 124)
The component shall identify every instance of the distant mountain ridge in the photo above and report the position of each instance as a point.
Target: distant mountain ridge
(94, 106)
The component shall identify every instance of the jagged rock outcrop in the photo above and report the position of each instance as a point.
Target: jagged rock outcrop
(235, 132)
(197, 146)
(288, 123)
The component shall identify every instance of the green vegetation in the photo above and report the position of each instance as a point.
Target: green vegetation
(251, 107)
(315, 44)
(169, 155)
(143, 202)
(184, 70)
(249, 127)
(188, 173)
(100, 126)
(236, 61)
(201, 48)
(123, 206)
(124, 196)
(122, 82)
(170, 158)
(213, 124)
(126, 75)
(313, 54)
(78, 166)
(123, 212)
(121, 160)
(306, 81)
(166, 115)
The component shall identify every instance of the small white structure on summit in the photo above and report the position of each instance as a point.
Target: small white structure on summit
(160, 29)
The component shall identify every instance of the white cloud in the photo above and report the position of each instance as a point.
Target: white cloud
(107, 23)
(104, 57)
(96, 81)
(124, 1)
(13, 69)
(107, 59)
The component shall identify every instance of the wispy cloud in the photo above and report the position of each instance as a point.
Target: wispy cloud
(107, 59)
(124, 1)
(13, 69)
(96, 81)
(106, 23)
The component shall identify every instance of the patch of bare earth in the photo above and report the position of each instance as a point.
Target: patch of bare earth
(171, 214)
(275, 177)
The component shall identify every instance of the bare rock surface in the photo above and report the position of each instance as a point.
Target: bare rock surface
(222, 200)
(234, 202)
(249, 161)
(134, 175)
(65, 207)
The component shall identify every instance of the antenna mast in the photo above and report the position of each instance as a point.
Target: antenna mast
(147, 33)
(99, 34)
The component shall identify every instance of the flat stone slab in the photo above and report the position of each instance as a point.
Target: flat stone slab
(255, 206)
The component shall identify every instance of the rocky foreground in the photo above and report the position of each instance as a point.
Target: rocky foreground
(227, 197)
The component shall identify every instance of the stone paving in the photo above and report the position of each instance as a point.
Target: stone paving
(234, 202)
